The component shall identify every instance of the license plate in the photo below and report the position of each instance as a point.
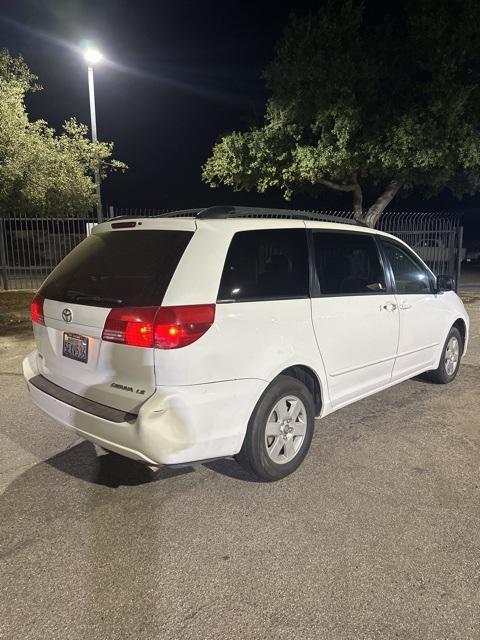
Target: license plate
(75, 347)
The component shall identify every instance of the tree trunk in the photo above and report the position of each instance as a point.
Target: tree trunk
(374, 212)
(357, 198)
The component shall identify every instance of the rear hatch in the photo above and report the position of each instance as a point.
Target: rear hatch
(128, 270)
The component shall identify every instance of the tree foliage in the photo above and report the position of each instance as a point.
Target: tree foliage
(40, 171)
(370, 104)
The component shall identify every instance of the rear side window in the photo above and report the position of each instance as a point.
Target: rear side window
(265, 265)
(118, 269)
(347, 263)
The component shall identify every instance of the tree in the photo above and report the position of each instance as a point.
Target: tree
(371, 104)
(40, 171)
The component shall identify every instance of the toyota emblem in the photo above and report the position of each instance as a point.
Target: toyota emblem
(67, 315)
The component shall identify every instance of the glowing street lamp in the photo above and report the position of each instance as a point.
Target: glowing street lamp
(92, 57)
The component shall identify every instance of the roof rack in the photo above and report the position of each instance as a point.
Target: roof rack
(183, 213)
(224, 212)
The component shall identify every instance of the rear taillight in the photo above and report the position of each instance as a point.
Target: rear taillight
(161, 327)
(177, 327)
(36, 309)
(130, 326)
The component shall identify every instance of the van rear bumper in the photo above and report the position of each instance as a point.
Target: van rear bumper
(176, 425)
(79, 402)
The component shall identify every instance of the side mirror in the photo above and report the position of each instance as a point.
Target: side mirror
(445, 283)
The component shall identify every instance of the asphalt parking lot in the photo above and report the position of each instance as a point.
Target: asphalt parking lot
(376, 536)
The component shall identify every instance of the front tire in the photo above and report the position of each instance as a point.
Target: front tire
(450, 359)
(280, 430)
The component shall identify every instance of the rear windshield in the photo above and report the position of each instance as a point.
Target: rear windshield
(118, 268)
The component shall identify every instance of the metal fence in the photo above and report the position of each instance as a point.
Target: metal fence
(435, 237)
(31, 247)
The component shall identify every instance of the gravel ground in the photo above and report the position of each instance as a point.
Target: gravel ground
(376, 536)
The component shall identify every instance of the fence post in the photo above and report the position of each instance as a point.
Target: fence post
(459, 257)
(99, 211)
(3, 257)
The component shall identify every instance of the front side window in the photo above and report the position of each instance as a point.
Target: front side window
(408, 273)
(347, 263)
(266, 264)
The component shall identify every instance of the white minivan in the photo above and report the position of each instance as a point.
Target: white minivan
(225, 331)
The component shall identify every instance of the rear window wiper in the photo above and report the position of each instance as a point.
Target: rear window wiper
(78, 296)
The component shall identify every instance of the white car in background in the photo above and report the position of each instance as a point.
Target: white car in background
(434, 250)
(225, 331)
(473, 255)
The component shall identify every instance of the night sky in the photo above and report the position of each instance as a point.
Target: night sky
(179, 74)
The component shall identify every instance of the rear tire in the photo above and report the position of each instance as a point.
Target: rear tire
(450, 359)
(280, 430)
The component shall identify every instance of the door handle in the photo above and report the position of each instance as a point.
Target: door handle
(388, 306)
(405, 305)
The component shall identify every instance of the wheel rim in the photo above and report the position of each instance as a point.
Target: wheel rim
(452, 355)
(285, 429)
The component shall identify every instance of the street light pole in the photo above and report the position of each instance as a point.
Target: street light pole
(92, 56)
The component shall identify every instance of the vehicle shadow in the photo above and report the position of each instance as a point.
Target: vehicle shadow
(231, 469)
(425, 378)
(110, 470)
(113, 470)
